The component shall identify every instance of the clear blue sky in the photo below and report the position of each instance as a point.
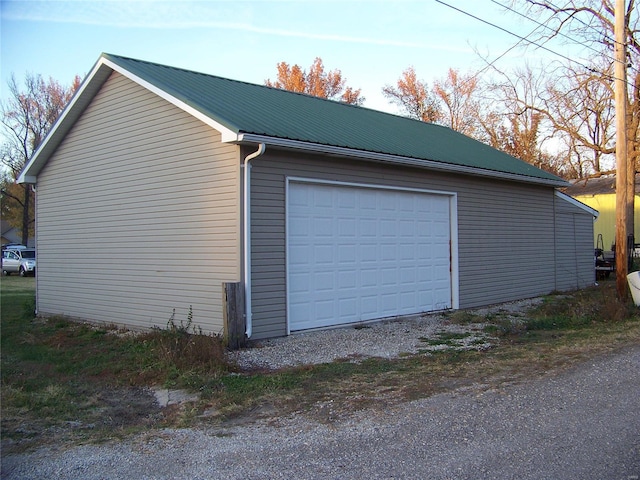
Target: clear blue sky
(371, 42)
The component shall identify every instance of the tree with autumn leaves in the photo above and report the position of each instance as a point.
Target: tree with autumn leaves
(520, 112)
(27, 117)
(315, 82)
(560, 116)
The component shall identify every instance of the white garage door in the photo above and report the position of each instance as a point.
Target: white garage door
(356, 254)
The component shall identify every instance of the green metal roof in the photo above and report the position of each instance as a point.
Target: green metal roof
(245, 108)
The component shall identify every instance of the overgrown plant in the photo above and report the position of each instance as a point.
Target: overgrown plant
(187, 347)
(591, 305)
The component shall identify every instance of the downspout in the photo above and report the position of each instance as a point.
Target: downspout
(35, 235)
(555, 240)
(247, 235)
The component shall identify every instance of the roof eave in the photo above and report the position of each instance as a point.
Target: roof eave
(394, 159)
(578, 203)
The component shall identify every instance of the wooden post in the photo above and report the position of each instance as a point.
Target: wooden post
(620, 87)
(234, 318)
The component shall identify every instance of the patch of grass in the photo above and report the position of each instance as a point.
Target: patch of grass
(503, 326)
(464, 317)
(59, 375)
(591, 306)
(187, 348)
(446, 338)
(56, 372)
(562, 312)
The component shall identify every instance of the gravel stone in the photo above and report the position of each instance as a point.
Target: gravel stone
(385, 339)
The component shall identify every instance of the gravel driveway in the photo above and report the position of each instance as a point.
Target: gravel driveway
(385, 339)
(582, 423)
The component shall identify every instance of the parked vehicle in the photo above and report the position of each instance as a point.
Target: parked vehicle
(13, 246)
(19, 260)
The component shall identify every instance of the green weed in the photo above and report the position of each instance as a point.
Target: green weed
(452, 339)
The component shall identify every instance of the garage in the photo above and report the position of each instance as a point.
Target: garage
(360, 252)
(311, 214)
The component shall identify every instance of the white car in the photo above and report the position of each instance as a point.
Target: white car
(19, 260)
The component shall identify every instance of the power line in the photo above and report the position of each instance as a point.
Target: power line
(556, 10)
(525, 39)
(545, 26)
(492, 63)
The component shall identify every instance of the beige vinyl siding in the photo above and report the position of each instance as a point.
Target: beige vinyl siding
(505, 230)
(138, 214)
(575, 262)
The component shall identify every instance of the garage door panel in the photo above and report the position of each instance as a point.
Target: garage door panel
(389, 304)
(364, 253)
(369, 277)
(369, 306)
(299, 283)
(348, 279)
(407, 275)
(347, 227)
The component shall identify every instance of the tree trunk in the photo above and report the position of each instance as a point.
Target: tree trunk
(631, 191)
(622, 158)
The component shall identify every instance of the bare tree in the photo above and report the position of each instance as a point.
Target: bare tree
(571, 109)
(591, 23)
(26, 118)
(579, 106)
(510, 118)
(497, 113)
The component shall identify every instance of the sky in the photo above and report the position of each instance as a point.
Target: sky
(370, 42)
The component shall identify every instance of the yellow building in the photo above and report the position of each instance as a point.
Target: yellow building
(600, 194)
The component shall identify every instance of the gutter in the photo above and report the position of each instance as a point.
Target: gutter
(246, 218)
(395, 159)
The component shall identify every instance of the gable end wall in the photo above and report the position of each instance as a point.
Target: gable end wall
(138, 215)
(575, 262)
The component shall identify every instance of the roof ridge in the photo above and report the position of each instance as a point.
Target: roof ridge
(267, 87)
(245, 112)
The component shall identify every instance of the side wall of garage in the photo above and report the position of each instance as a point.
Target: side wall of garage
(505, 230)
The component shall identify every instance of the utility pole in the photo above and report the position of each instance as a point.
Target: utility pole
(620, 86)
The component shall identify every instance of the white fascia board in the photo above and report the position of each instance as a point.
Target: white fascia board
(227, 134)
(394, 159)
(29, 179)
(90, 86)
(577, 203)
